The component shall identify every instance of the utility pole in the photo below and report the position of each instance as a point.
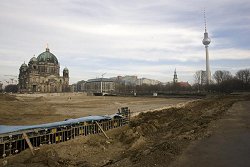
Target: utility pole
(12, 79)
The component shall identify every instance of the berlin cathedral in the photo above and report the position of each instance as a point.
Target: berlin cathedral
(42, 74)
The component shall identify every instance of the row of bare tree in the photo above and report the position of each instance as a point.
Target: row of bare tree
(224, 81)
(144, 89)
(242, 75)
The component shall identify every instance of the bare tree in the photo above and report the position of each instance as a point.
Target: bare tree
(200, 77)
(200, 80)
(244, 75)
(221, 76)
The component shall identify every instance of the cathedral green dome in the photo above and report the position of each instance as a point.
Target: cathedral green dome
(47, 57)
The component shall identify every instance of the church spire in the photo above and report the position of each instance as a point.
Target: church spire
(175, 79)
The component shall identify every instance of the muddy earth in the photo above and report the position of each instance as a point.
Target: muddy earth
(30, 109)
(156, 138)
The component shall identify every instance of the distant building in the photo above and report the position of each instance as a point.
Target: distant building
(127, 80)
(114, 84)
(133, 80)
(81, 86)
(100, 85)
(183, 84)
(73, 88)
(180, 84)
(42, 74)
(201, 77)
(146, 81)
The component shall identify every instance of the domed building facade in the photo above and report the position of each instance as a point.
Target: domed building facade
(42, 74)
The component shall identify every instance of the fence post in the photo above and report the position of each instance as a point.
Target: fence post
(102, 130)
(29, 143)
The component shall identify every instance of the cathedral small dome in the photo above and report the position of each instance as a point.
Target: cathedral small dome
(47, 56)
(33, 60)
(65, 69)
(24, 65)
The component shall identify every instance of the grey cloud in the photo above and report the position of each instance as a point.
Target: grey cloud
(144, 30)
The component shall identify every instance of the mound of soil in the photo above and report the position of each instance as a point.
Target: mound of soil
(8, 97)
(40, 99)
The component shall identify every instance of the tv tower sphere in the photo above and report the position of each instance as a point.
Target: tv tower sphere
(206, 40)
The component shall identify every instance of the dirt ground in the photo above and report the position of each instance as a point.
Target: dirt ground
(29, 109)
(151, 139)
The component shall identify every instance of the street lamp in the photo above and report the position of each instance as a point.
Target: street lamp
(101, 81)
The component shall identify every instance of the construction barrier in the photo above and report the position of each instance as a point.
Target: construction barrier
(15, 142)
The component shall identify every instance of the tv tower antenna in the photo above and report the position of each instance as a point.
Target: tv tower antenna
(206, 41)
(205, 20)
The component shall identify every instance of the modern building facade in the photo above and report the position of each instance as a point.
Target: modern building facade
(147, 81)
(80, 86)
(202, 77)
(42, 74)
(127, 80)
(100, 85)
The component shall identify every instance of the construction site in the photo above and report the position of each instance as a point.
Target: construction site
(73, 129)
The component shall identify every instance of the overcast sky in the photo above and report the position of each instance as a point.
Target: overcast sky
(147, 38)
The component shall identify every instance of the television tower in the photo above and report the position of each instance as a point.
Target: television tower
(206, 41)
